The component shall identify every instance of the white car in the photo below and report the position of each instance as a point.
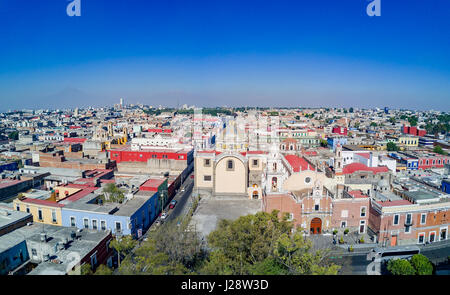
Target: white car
(164, 215)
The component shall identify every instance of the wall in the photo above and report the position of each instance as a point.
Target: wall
(234, 182)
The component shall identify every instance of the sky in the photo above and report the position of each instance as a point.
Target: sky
(304, 53)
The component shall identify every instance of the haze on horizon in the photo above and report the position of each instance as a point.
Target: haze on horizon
(215, 53)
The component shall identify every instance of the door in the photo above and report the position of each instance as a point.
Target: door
(443, 234)
(362, 228)
(394, 241)
(316, 226)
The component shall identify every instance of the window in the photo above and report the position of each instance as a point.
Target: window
(408, 218)
(307, 179)
(230, 165)
(316, 207)
(94, 223)
(407, 229)
(396, 219)
(207, 177)
(363, 211)
(94, 260)
(421, 238)
(343, 224)
(432, 236)
(40, 214)
(291, 217)
(54, 216)
(255, 162)
(164, 156)
(72, 221)
(18, 207)
(207, 163)
(344, 213)
(103, 225)
(118, 226)
(33, 252)
(86, 223)
(28, 209)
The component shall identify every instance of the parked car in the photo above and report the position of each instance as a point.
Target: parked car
(164, 215)
(172, 204)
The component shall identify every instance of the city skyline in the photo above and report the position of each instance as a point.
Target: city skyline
(257, 54)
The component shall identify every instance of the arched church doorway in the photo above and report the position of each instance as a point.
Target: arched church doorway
(316, 226)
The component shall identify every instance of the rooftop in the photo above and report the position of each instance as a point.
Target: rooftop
(10, 216)
(297, 163)
(353, 167)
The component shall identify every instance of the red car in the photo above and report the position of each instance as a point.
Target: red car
(172, 204)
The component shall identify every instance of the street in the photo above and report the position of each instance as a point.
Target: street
(357, 263)
(182, 200)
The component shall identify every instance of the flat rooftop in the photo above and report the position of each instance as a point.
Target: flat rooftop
(10, 216)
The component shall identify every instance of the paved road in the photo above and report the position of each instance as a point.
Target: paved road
(356, 263)
(182, 200)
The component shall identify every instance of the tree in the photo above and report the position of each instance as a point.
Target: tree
(373, 124)
(400, 267)
(122, 245)
(294, 252)
(351, 110)
(14, 135)
(323, 143)
(413, 120)
(171, 249)
(256, 244)
(86, 270)
(103, 270)
(422, 265)
(391, 146)
(113, 193)
(438, 149)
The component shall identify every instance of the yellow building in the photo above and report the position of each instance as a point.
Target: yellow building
(408, 141)
(43, 211)
(44, 205)
(404, 141)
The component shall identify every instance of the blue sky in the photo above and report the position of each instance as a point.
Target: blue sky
(213, 53)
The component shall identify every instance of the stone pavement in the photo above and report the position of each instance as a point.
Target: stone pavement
(212, 209)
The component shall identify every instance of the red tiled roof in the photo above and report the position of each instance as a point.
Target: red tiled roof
(394, 203)
(151, 185)
(42, 202)
(357, 194)
(310, 153)
(74, 139)
(298, 163)
(353, 167)
(83, 193)
(8, 182)
(365, 155)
